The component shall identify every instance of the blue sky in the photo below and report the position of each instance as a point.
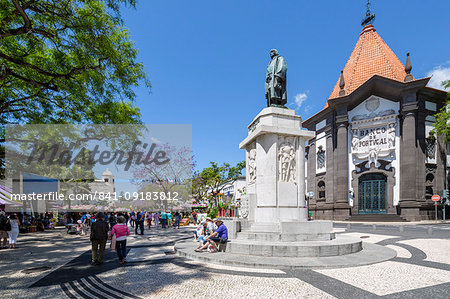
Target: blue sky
(207, 59)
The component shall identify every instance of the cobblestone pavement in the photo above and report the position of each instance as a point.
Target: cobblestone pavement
(56, 265)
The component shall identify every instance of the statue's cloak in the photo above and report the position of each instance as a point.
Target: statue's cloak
(276, 85)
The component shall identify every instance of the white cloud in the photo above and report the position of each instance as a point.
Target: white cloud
(154, 140)
(438, 74)
(308, 108)
(300, 98)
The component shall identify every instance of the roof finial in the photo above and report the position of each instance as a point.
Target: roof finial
(342, 84)
(369, 18)
(408, 69)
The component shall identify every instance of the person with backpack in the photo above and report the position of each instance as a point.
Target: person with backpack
(12, 227)
(3, 233)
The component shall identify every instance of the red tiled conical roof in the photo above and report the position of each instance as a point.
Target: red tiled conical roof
(371, 56)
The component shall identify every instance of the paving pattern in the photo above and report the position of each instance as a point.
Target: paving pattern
(420, 270)
(92, 287)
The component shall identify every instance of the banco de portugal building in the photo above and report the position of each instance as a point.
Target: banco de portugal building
(373, 152)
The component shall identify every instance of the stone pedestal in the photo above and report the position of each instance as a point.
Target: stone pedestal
(275, 150)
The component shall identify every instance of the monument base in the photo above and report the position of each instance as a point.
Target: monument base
(292, 239)
(275, 194)
(370, 254)
(289, 231)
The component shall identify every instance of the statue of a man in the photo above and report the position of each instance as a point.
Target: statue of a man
(276, 80)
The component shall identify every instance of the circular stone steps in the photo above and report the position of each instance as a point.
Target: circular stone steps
(370, 254)
(341, 246)
(278, 237)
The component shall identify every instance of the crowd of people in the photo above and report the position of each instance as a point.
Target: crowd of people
(13, 224)
(114, 226)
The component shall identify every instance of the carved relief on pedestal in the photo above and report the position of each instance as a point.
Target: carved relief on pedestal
(251, 160)
(287, 162)
(244, 207)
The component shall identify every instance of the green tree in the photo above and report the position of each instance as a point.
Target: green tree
(198, 187)
(67, 61)
(442, 124)
(215, 177)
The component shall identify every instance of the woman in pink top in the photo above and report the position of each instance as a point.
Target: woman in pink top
(121, 231)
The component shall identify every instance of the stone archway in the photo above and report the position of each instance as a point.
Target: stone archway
(389, 179)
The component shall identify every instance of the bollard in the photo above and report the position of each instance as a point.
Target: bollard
(349, 226)
(374, 227)
(402, 228)
(430, 231)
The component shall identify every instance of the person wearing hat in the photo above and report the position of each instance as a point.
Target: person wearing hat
(99, 236)
(219, 236)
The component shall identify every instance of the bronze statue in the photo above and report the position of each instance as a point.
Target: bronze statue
(276, 81)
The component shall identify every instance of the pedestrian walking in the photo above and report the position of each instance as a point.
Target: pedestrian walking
(140, 222)
(149, 219)
(177, 220)
(169, 219)
(127, 217)
(133, 219)
(83, 224)
(99, 235)
(3, 232)
(120, 230)
(194, 217)
(163, 219)
(88, 220)
(12, 227)
(156, 217)
(112, 220)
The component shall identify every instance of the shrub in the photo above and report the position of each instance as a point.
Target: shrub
(212, 213)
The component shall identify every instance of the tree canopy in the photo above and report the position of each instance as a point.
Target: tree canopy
(215, 177)
(442, 124)
(67, 61)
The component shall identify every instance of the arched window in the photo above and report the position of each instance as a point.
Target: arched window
(430, 147)
(321, 189)
(320, 158)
